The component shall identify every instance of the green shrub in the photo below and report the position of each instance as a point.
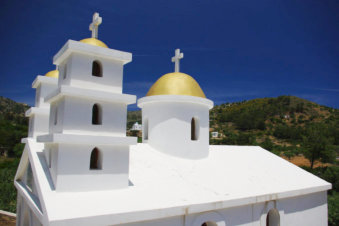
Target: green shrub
(333, 209)
(8, 191)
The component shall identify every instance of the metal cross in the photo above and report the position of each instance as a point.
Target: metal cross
(97, 20)
(176, 59)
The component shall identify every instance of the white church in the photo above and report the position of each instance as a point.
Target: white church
(79, 167)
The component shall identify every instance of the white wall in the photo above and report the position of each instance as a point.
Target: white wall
(43, 90)
(310, 210)
(39, 121)
(79, 73)
(169, 128)
(70, 167)
(75, 116)
(56, 115)
(38, 125)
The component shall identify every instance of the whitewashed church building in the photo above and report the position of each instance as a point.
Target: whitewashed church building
(79, 167)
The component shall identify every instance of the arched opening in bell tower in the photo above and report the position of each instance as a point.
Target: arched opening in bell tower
(273, 218)
(96, 115)
(96, 69)
(209, 223)
(96, 159)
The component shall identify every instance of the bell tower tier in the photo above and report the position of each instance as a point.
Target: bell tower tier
(39, 115)
(87, 148)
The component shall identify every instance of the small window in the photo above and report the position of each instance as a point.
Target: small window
(31, 122)
(37, 96)
(145, 129)
(56, 116)
(96, 69)
(209, 223)
(95, 162)
(273, 218)
(194, 129)
(65, 71)
(96, 115)
(50, 158)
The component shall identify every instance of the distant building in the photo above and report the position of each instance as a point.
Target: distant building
(215, 134)
(136, 127)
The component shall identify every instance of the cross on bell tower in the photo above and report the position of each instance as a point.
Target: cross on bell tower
(176, 59)
(94, 26)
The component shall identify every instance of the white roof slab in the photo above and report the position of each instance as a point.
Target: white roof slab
(165, 186)
(43, 79)
(174, 98)
(90, 94)
(34, 110)
(86, 139)
(72, 46)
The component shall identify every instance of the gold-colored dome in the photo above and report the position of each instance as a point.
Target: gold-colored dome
(94, 42)
(53, 74)
(176, 83)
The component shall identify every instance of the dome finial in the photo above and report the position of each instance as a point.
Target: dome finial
(176, 59)
(94, 26)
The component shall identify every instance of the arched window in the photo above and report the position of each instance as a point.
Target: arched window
(31, 122)
(50, 158)
(96, 159)
(65, 71)
(194, 129)
(273, 218)
(96, 114)
(145, 129)
(209, 223)
(56, 116)
(96, 69)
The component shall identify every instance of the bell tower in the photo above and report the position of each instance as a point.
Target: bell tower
(87, 148)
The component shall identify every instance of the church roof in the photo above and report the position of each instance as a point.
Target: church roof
(52, 74)
(94, 42)
(176, 83)
(165, 186)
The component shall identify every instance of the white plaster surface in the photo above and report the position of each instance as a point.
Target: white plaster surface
(75, 117)
(167, 119)
(91, 95)
(163, 186)
(77, 72)
(39, 115)
(44, 86)
(92, 51)
(76, 176)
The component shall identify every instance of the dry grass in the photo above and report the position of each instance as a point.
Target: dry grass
(7, 220)
(302, 161)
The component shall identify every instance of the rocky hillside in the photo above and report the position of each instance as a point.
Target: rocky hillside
(13, 126)
(283, 125)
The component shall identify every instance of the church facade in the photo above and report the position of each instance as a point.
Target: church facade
(79, 167)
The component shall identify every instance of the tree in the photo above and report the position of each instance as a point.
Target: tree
(18, 149)
(317, 144)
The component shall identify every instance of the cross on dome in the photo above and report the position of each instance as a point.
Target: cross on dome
(94, 26)
(176, 59)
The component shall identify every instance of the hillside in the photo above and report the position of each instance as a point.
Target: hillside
(282, 125)
(13, 126)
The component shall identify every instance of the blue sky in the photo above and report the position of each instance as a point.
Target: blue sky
(236, 50)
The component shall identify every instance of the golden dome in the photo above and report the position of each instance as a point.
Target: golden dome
(53, 74)
(176, 83)
(94, 42)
